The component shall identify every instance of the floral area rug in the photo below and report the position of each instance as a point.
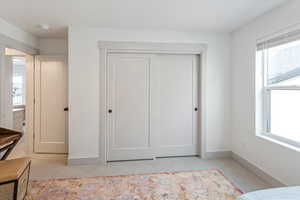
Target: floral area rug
(190, 185)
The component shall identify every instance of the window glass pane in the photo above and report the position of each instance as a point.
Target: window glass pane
(283, 63)
(289, 82)
(18, 80)
(285, 112)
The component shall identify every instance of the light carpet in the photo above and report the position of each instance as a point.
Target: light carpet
(191, 185)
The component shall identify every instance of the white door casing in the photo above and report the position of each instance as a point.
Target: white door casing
(113, 47)
(29, 114)
(50, 135)
(152, 98)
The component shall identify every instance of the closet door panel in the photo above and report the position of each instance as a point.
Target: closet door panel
(174, 101)
(130, 136)
(152, 98)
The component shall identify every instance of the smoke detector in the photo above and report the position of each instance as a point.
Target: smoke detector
(44, 27)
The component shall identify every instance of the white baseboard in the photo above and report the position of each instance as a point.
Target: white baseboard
(217, 154)
(48, 156)
(260, 173)
(84, 161)
(208, 155)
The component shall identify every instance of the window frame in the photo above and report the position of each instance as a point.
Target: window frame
(266, 99)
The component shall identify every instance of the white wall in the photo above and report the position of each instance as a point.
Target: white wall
(15, 38)
(276, 160)
(18, 34)
(84, 84)
(53, 46)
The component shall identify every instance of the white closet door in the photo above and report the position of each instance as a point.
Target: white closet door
(128, 99)
(174, 99)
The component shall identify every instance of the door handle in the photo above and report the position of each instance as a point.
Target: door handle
(66, 109)
(110, 111)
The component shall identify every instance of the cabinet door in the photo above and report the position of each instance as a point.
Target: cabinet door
(129, 107)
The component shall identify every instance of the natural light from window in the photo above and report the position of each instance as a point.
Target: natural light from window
(18, 81)
(281, 62)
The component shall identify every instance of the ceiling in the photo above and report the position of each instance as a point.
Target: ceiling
(179, 15)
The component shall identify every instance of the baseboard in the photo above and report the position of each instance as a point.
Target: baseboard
(48, 156)
(216, 154)
(260, 173)
(84, 161)
(208, 155)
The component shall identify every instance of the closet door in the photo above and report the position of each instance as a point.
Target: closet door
(175, 104)
(129, 107)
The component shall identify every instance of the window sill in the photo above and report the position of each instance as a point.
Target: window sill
(278, 142)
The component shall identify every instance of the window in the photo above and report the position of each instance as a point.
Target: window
(280, 61)
(18, 81)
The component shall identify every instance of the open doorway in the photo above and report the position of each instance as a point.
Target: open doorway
(34, 100)
(16, 108)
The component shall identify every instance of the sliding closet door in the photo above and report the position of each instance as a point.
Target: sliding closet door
(175, 104)
(129, 107)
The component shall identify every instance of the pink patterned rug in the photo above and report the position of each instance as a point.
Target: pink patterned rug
(190, 185)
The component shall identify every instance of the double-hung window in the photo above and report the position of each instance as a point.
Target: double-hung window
(279, 59)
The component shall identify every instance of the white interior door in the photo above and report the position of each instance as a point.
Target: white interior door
(175, 105)
(128, 107)
(50, 104)
(153, 98)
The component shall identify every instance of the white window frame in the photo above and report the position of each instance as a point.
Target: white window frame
(267, 115)
(266, 103)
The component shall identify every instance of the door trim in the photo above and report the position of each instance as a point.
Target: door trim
(106, 47)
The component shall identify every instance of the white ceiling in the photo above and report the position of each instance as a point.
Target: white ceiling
(180, 15)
